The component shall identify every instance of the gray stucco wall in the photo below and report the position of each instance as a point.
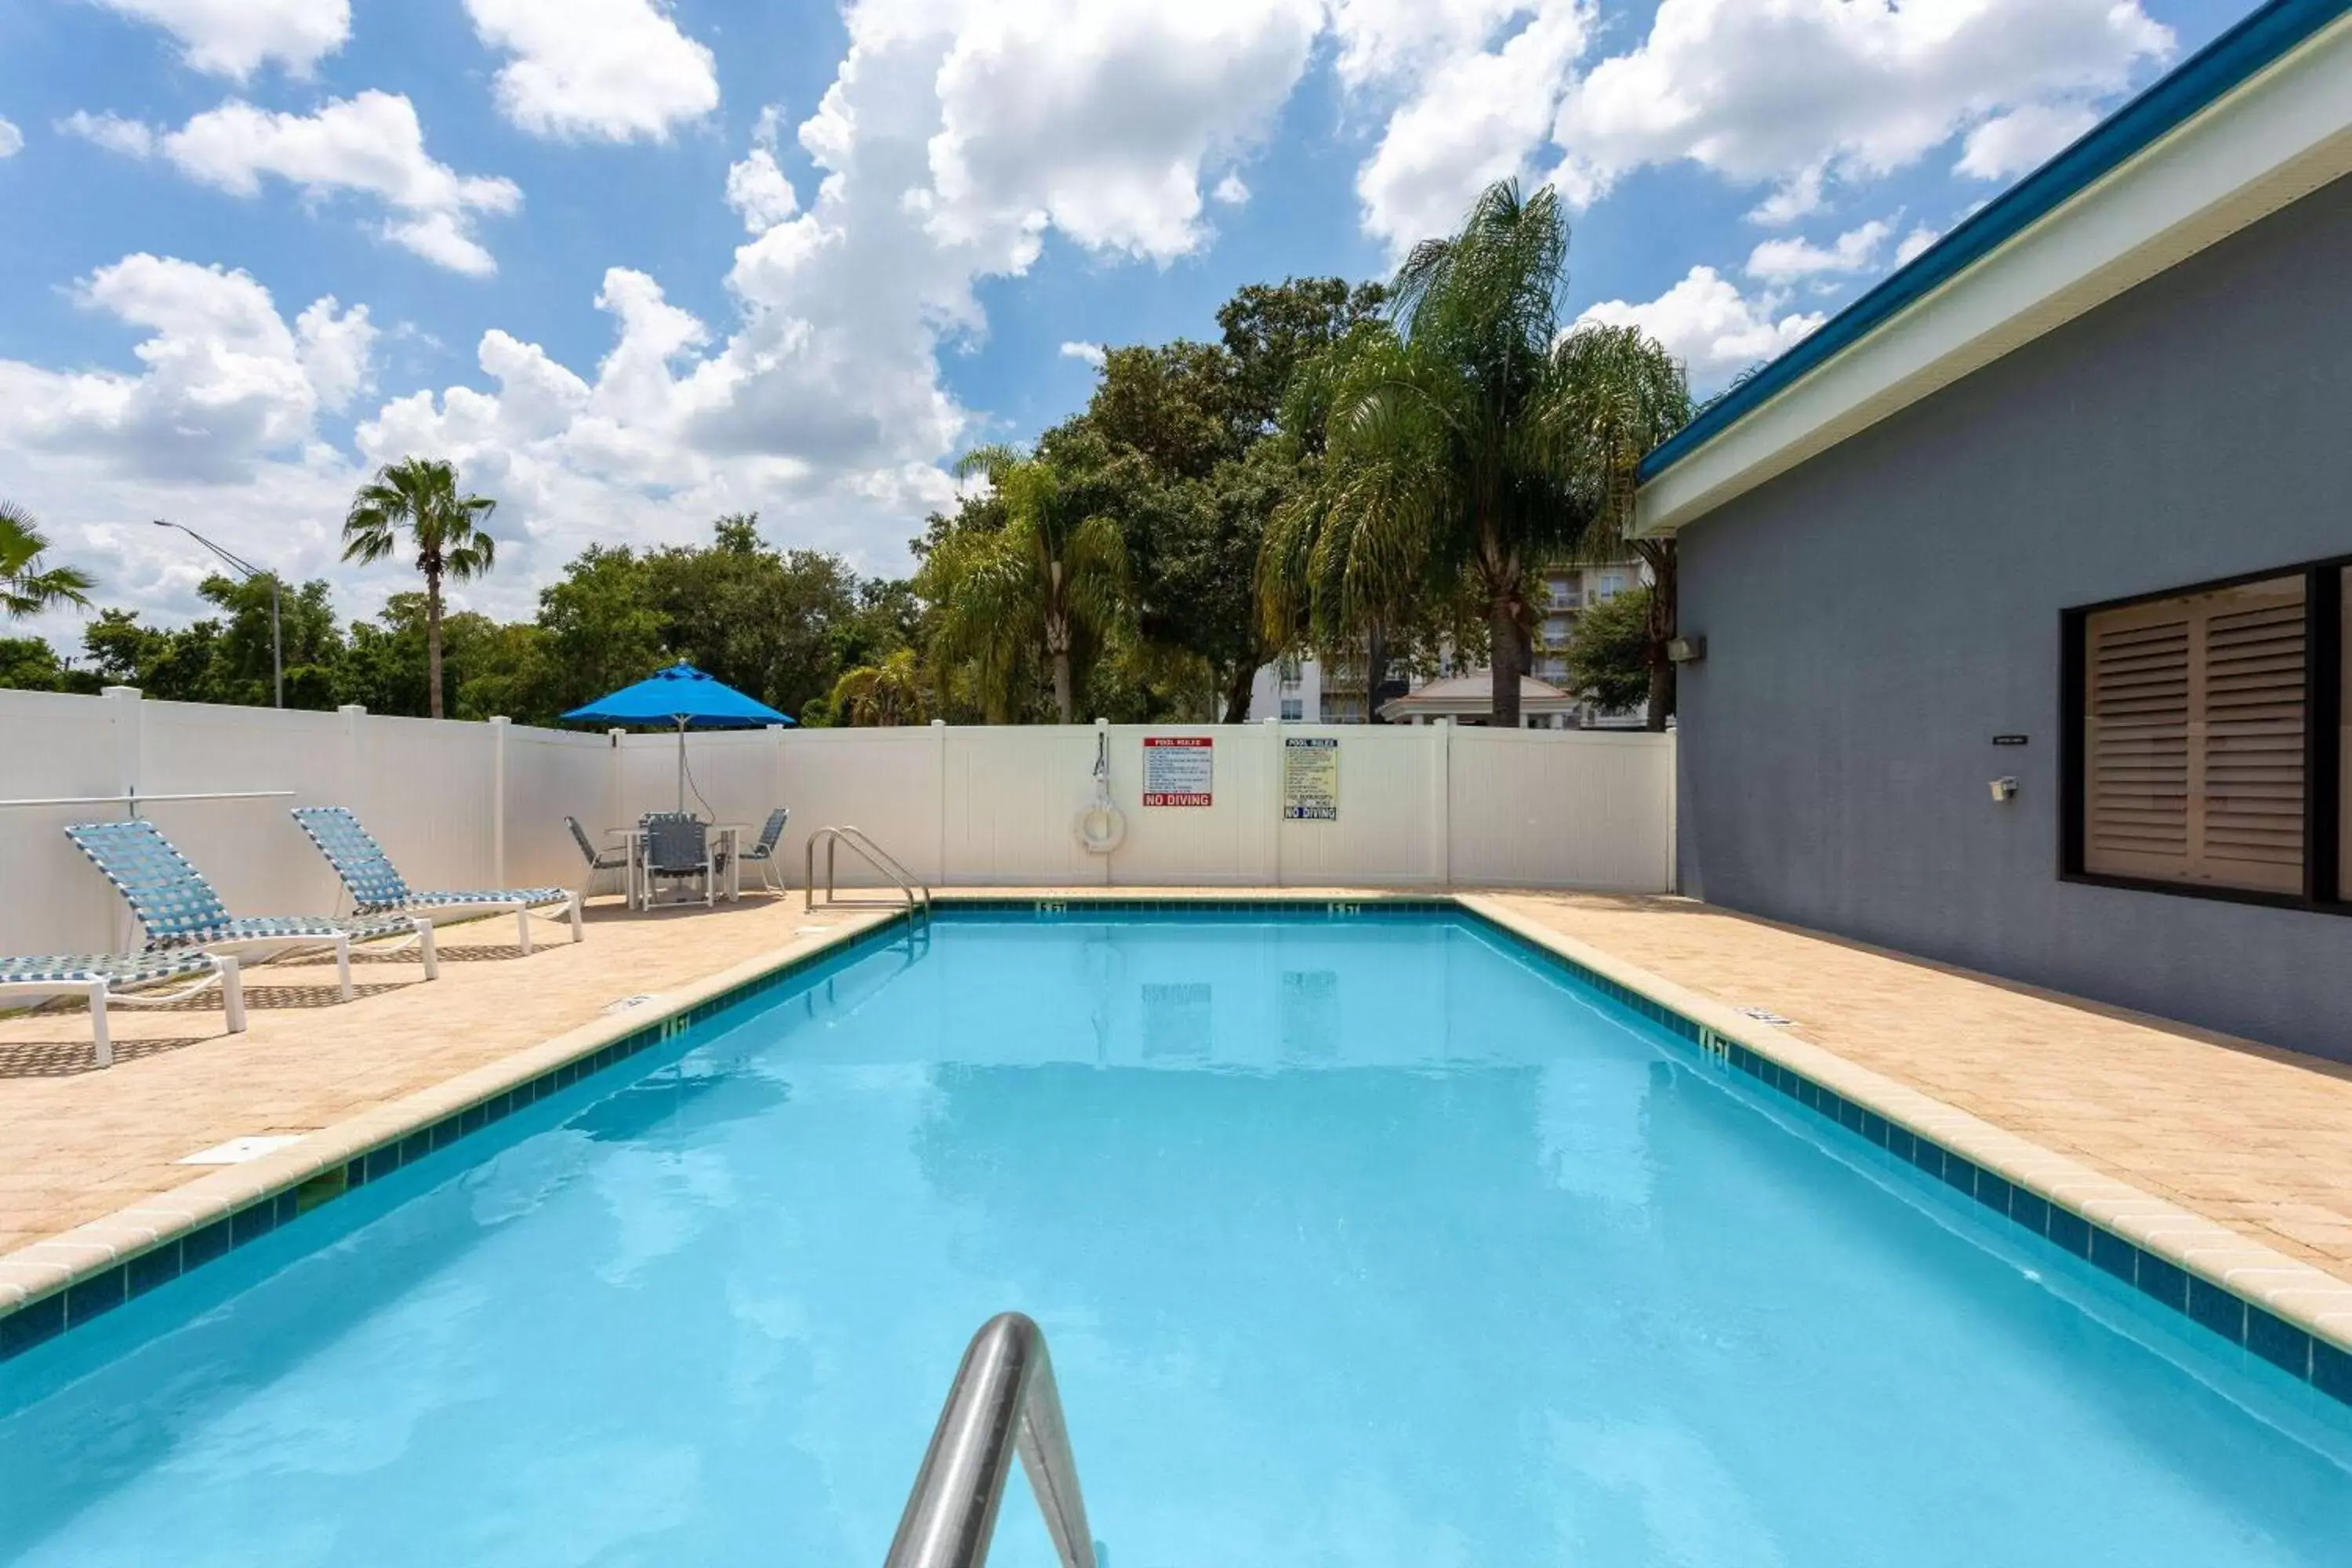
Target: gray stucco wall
(1876, 616)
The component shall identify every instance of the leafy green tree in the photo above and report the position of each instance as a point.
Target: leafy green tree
(1271, 330)
(416, 501)
(1623, 395)
(1045, 585)
(27, 585)
(1456, 445)
(600, 627)
(1178, 435)
(887, 693)
(241, 667)
(29, 664)
(1608, 656)
(767, 622)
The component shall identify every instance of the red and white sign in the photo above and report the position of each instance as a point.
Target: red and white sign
(1179, 770)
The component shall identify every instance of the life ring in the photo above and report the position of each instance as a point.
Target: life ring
(1100, 827)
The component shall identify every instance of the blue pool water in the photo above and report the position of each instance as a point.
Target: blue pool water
(1370, 1243)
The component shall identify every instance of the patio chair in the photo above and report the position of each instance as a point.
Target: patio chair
(376, 888)
(762, 853)
(109, 979)
(610, 860)
(179, 911)
(678, 846)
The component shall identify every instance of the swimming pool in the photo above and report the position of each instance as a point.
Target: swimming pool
(1366, 1242)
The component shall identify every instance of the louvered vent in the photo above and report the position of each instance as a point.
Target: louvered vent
(2253, 754)
(2137, 790)
(2194, 749)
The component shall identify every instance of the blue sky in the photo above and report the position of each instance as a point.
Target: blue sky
(634, 264)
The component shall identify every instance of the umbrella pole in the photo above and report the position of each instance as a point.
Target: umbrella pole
(681, 767)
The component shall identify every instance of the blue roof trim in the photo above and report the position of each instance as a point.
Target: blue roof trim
(2245, 50)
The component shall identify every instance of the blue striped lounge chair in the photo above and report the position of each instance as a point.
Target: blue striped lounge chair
(376, 888)
(179, 911)
(116, 979)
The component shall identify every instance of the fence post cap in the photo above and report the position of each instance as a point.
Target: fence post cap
(119, 690)
(353, 709)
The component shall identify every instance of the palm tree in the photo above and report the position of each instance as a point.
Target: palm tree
(26, 587)
(1454, 453)
(887, 693)
(1620, 395)
(1054, 575)
(418, 496)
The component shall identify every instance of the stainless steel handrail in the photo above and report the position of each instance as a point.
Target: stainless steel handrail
(917, 894)
(133, 800)
(1003, 1399)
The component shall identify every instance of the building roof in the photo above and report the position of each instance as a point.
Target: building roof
(1473, 691)
(2236, 160)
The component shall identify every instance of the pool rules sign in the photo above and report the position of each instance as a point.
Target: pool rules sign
(1179, 770)
(1310, 778)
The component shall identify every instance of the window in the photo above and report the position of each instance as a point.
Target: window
(2204, 738)
(1294, 707)
(1556, 629)
(1612, 584)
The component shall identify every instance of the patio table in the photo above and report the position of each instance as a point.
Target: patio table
(731, 832)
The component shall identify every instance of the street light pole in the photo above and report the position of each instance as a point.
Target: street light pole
(247, 572)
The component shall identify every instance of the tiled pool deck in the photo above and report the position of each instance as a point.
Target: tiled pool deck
(2228, 1157)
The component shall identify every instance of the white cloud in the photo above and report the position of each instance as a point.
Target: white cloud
(757, 188)
(1231, 191)
(1913, 243)
(1707, 323)
(1093, 119)
(1798, 196)
(235, 38)
(224, 382)
(1790, 91)
(1088, 353)
(2021, 139)
(110, 132)
(370, 145)
(1786, 261)
(12, 141)
(1469, 117)
(606, 69)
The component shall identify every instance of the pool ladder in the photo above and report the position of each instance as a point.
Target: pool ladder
(917, 894)
(1003, 1399)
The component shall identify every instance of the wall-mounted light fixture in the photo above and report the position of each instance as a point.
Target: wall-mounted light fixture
(2004, 789)
(1686, 650)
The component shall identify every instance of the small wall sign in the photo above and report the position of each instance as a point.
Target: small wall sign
(2008, 740)
(1310, 778)
(1179, 770)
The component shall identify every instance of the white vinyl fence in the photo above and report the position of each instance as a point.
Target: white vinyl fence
(471, 804)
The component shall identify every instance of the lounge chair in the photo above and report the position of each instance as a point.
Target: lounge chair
(763, 853)
(110, 978)
(610, 860)
(376, 889)
(179, 911)
(678, 846)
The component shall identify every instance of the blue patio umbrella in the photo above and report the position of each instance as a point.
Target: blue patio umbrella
(684, 695)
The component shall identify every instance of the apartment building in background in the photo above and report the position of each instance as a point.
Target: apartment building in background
(1310, 690)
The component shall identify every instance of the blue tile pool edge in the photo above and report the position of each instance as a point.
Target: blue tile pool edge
(88, 1295)
(2210, 1304)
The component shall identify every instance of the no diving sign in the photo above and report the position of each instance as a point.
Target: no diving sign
(1179, 770)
